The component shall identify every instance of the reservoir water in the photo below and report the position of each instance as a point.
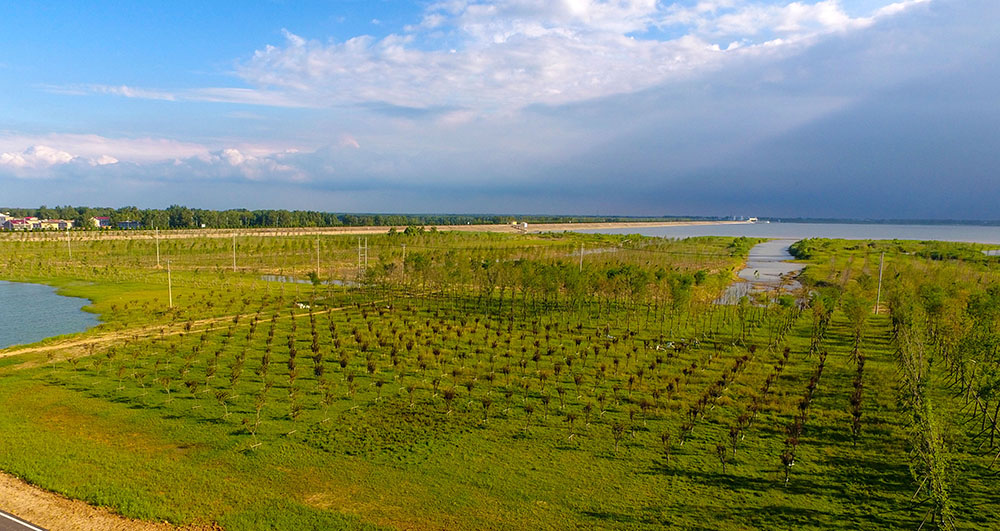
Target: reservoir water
(848, 231)
(32, 312)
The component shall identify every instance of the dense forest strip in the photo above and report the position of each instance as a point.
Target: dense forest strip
(181, 217)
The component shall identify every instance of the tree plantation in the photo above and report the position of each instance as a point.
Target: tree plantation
(474, 380)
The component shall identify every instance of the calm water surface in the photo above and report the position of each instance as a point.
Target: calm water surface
(798, 231)
(32, 312)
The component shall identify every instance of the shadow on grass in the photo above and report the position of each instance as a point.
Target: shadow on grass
(703, 518)
(851, 492)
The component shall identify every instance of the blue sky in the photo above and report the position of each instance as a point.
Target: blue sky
(850, 108)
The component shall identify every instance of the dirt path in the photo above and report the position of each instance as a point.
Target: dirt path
(53, 511)
(70, 345)
(115, 336)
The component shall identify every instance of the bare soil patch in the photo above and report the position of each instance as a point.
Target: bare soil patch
(56, 512)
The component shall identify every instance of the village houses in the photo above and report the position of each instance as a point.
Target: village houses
(8, 222)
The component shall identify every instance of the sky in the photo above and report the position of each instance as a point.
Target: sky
(829, 108)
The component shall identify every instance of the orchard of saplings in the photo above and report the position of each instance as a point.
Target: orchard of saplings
(475, 380)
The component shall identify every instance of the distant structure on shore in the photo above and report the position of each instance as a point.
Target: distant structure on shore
(100, 222)
(7, 222)
(129, 225)
(32, 223)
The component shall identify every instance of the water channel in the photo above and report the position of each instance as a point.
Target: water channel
(766, 270)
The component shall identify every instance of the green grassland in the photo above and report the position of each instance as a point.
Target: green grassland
(466, 381)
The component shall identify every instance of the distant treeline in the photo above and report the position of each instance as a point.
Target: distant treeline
(181, 217)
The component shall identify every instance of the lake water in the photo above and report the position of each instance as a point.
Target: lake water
(849, 231)
(33, 312)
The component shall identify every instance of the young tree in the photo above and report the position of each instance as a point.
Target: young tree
(722, 454)
(787, 460)
(570, 419)
(449, 396)
(617, 433)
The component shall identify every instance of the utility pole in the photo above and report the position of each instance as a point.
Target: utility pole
(359, 256)
(170, 289)
(317, 256)
(878, 295)
(234, 253)
(404, 253)
(366, 253)
(69, 245)
(157, 247)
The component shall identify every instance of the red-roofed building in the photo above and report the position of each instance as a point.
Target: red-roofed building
(55, 224)
(17, 224)
(101, 222)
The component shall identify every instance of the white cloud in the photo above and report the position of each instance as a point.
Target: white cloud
(514, 53)
(38, 160)
(143, 149)
(235, 95)
(133, 92)
(104, 160)
(233, 163)
(54, 155)
(124, 91)
(499, 55)
(519, 70)
(898, 7)
(232, 156)
(241, 96)
(35, 157)
(349, 141)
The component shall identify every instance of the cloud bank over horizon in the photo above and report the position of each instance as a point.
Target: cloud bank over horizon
(829, 108)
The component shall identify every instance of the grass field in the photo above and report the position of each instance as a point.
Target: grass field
(474, 381)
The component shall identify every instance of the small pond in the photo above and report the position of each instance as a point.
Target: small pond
(33, 312)
(293, 280)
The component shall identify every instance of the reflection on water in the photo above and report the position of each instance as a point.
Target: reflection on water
(767, 269)
(293, 280)
(33, 312)
(847, 231)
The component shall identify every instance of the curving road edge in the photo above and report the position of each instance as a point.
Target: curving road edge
(9, 522)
